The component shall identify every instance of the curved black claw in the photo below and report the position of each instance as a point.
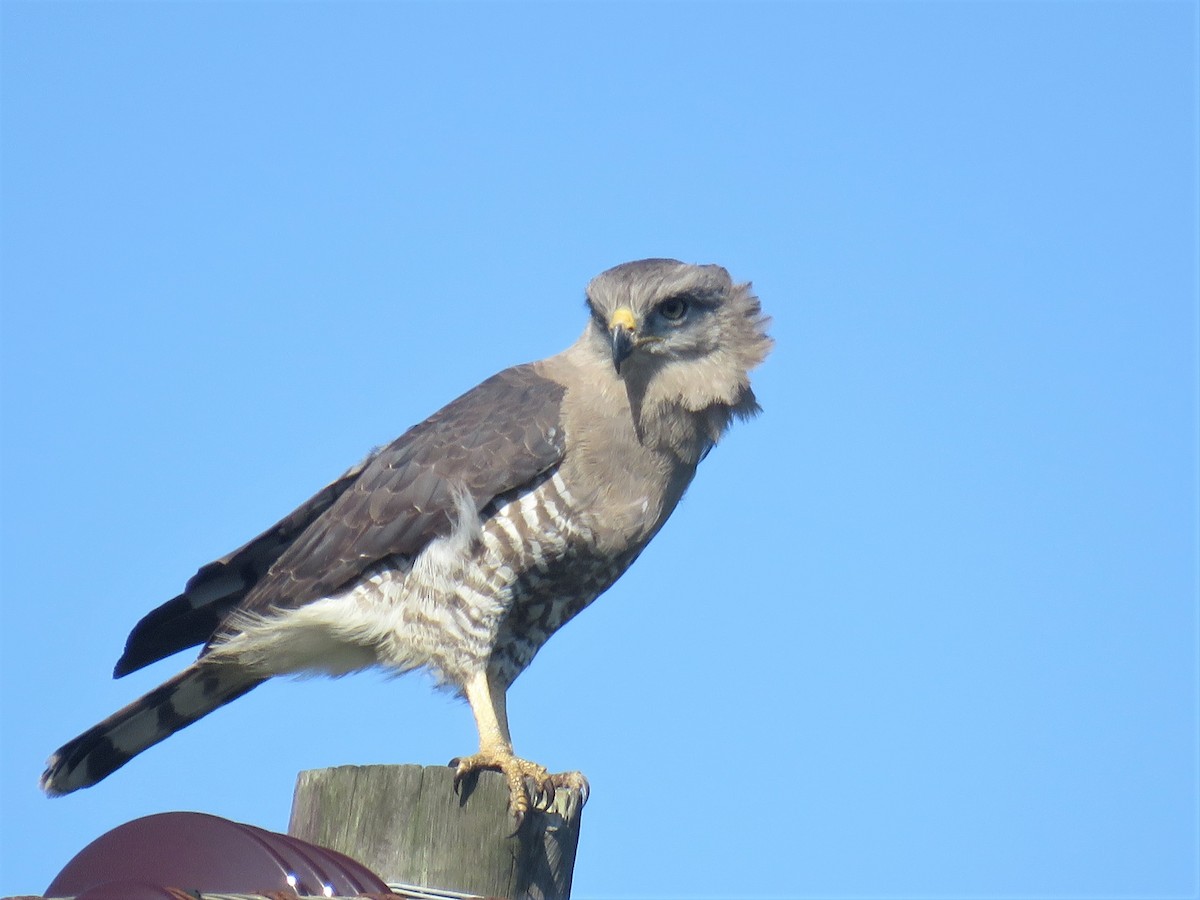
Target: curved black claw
(518, 818)
(543, 793)
(460, 774)
(573, 781)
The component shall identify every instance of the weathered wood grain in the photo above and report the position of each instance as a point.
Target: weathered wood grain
(407, 824)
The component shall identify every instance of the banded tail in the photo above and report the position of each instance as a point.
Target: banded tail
(175, 704)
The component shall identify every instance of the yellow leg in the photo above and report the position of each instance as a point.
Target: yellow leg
(489, 703)
(495, 752)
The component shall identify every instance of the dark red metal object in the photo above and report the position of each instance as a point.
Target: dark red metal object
(199, 852)
(131, 890)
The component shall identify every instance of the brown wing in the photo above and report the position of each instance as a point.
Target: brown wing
(500, 435)
(192, 617)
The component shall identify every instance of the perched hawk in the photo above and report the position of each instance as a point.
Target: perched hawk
(463, 545)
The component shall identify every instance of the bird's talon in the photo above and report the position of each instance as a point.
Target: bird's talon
(546, 794)
(460, 772)
(530, 786)
(518, 819)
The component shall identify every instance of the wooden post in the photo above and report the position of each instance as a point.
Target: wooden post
(407, 824)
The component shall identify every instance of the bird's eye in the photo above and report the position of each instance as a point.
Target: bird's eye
(673, 310)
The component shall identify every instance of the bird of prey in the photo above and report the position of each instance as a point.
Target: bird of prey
(463, 545)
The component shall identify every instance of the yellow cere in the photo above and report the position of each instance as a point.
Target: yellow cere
(623, 318)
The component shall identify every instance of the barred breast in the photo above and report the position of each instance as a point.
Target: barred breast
(539, 550)
(485, 597)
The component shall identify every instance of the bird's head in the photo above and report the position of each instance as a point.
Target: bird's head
(679, 334)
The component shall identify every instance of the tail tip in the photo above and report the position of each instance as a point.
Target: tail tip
(49, 782)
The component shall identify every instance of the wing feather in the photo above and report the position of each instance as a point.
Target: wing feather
(500, 435)
(219, 586)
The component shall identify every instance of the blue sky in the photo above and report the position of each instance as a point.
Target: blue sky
(927, 628)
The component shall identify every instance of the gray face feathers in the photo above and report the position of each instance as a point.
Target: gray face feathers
(682, 335)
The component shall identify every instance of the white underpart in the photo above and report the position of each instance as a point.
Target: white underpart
(440, 612)
(360, 627)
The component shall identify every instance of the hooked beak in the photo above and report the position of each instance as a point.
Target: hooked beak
(621, 328)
